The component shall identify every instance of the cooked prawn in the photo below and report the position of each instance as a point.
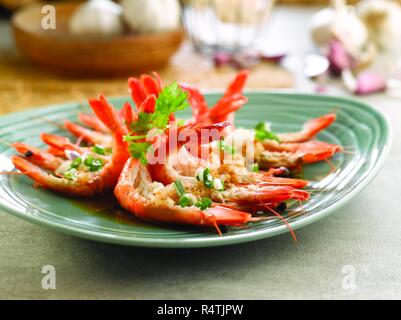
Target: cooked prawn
(90, 136)
(310, 129)
(271, 154)
(154, 201)
(51, 172)
(97, 132)
(225, 107)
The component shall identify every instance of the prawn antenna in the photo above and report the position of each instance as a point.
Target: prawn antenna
(216, 226)
(284, 220)
(54, 123)
(332, 166)
(349, 150)
(9, 144)
(12, 172)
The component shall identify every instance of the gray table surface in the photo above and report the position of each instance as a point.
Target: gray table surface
(353, 254)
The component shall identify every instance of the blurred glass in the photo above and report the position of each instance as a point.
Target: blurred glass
(224, 25)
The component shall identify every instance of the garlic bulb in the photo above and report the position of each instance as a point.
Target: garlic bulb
(321, 25)
(383, 19)
(340, 22)
(151, 15)
(98, 18)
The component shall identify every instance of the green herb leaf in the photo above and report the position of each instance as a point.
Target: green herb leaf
(204, 203)
(93, 164)
(170, 100)
(71, 174)
(185, 201)
(99, 149)
(207, 178)
(88, 160)
(179, 187)
(143, 124)
(129, 138)
(97, 164)
(76, 163)
(138, 151)
(261, 133)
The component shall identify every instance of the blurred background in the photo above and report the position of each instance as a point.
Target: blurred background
(71, 50)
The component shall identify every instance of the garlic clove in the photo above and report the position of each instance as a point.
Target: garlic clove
(383, 20)
(349, 80)
(366, 57)
(341, 23)
(152, 15)
(320, 26)
(97, 18)
(352, 32)
(315, 65)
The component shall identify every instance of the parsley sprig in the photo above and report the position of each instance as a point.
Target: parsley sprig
(138, 150)
(262, 133)
(170, 100)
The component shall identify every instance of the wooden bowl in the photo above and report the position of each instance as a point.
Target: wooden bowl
(14, 4)
(61, 51)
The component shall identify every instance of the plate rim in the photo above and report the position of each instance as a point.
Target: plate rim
(218, 241)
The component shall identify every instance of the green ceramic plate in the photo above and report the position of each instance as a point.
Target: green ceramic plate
(359, 127)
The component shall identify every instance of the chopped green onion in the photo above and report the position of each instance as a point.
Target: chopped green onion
(218, 184)
(207, 178)
(180, 122)
(255, 167)
(185, 200)
(204, 203)
(179, 187)
(99, 150)
(92, 163)
(96, 165)
(76, 163)
(71, 174)
(199, 175)
(88, 160)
